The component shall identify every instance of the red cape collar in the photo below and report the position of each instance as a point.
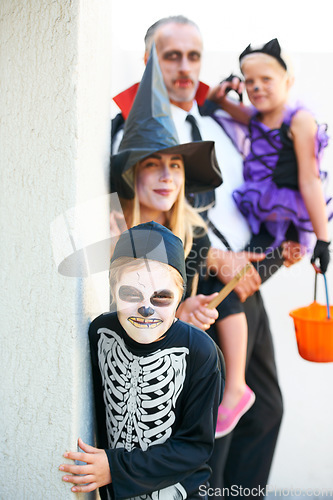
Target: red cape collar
(125, 99)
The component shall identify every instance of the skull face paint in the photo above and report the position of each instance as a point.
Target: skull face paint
(147, 298)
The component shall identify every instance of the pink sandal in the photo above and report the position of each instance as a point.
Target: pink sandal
(228, 418)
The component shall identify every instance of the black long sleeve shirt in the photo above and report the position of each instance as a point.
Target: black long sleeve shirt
(156, 408)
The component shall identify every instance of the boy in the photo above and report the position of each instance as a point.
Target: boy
(157, 380)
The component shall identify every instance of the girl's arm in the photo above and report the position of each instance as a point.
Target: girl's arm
(303, 129)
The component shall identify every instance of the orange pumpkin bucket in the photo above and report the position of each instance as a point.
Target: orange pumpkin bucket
(314, 329)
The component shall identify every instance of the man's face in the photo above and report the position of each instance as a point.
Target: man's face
(179, 49)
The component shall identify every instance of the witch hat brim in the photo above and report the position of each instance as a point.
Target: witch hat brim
(149, 128)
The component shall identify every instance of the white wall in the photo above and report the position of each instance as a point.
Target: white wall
(304, 455)
(54, 133)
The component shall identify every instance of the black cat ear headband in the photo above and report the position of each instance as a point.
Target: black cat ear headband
(271, 48)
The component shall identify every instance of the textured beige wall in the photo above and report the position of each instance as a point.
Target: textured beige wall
(54, 135)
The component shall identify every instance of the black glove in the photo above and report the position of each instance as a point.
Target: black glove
(229, 79)
(321, 252)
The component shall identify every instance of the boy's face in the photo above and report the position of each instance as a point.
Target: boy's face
(146, 301)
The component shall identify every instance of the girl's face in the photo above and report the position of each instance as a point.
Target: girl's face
(159, 180)
(267, 83)
(147, 298)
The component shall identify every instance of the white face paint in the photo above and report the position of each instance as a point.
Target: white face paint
(179, 48)
(147, 299)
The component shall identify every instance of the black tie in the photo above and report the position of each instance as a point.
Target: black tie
(206, 199)
(196, 136)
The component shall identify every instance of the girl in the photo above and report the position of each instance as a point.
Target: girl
(283, 165)
(282, 197)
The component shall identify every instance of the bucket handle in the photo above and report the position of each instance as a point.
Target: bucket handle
(326, 290)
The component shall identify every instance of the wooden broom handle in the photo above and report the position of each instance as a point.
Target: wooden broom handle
(229, 287)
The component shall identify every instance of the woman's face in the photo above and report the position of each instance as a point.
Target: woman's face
(159, 180)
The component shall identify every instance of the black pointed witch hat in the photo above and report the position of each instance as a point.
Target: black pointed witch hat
(149, 128)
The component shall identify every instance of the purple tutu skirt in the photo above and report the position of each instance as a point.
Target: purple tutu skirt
(277, 208)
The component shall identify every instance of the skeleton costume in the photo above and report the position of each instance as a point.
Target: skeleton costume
(156, 409)
(156, 403)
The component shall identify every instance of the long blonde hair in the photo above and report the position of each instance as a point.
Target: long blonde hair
(181, 218)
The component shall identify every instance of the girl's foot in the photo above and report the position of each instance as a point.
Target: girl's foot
(228, 418)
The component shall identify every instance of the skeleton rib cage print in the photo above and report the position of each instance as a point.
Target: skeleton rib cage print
(140, 393)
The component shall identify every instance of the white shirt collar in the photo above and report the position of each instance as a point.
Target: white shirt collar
(181, 114)
(184, 128)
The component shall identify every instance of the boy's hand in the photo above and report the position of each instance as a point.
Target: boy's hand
(93, 475)
(194, 310)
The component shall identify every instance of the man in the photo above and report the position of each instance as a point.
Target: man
(243, 458)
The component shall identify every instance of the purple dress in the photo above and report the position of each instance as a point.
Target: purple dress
(270, 193)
